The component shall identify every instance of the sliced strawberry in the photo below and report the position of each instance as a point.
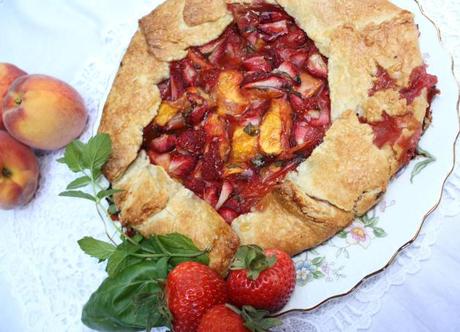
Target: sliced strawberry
(191, 141)
(213, 165)
(245, 18)
(212, 45)
(164, 143)
(271, 82)
(255, 112)
(218, 54)
(257, 63)
(255, 40)
(324, 103)
(177, 122)
(228, 214)
(197, 114)
(296, 38)
(165, 91)
(189, 73)
(309, 85)
(195, 185)
(297, 102)
(272, 15)
(159, 159)
(273, 30)
(306, 135)
(181, 164)
(208, 79)
(198, 60)
(175, 82)
(225, 192)
(287, 68)
(210, 193)
(317, 66)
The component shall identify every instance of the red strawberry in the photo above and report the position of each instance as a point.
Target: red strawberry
(222, 319)
(274, 30)
(181, 164)
(257, 63)
(164, 143)
(262, 279)
(191, 290)
(191, 140)
(317, 66)
(226, 318)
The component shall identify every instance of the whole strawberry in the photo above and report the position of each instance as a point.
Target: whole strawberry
(191, 289)
(262, 279)
(226, 318)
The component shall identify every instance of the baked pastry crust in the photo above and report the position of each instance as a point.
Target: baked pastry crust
(342, 179)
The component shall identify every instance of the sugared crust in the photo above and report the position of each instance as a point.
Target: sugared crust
(178, 24)
(344, 177)
(345, 166)
(132, 103)
(153, 203)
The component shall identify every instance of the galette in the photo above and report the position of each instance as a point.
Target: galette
(271, 123)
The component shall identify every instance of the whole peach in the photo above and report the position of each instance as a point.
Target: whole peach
(8, 73)
(43, 112)
(18, 172)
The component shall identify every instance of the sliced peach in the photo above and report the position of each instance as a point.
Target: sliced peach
(275, 128)
(229, 97)
(244, 145)
(309, 85)
(165, 113)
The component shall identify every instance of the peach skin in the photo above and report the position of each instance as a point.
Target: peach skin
(8, 73)
(18, 172)
(43, 112)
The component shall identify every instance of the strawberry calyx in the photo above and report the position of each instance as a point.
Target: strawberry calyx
(255, 320)
(252, 259)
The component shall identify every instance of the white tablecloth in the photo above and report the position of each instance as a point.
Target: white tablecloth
(73, 40)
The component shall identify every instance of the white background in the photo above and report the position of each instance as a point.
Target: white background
(60, 38)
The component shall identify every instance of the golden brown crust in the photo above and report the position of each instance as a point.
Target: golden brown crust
(131, 104)
(345, 175)
(153, 203)
(291, 221)
(345, 166)
(178, 24)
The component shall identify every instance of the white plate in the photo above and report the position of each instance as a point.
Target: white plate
(368, 246)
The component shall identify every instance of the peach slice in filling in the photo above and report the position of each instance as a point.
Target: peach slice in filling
(240, 112)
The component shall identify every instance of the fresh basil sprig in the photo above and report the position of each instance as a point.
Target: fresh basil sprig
(132, 297)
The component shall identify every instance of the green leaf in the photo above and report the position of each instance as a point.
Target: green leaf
(179, 244)
(96, 152)
(256, 320)
(253, 259)
(317, 261)
(121, 258)
(133, 300)
(419, 167)
(73, 156)
(379, 232)
(112, 209)
(96, 248)
(79, 183)
(106, 193)
(78, 194)
(342, 234)
(318, 274)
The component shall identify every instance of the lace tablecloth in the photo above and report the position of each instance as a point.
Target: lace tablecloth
(45, 279)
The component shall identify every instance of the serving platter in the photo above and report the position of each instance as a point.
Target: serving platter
(372, 242)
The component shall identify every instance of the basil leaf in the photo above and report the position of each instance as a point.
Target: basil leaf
(73, 156)
(181, 245)
(79, 183)
(106, 193)
(96, 248)
(117, 262)
(78, 194)
(130, 301)
(96, 152)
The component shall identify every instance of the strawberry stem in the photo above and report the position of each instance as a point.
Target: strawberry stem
(255, 320)
(252, 259)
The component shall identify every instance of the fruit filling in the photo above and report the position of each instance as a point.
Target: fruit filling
(242, 111)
